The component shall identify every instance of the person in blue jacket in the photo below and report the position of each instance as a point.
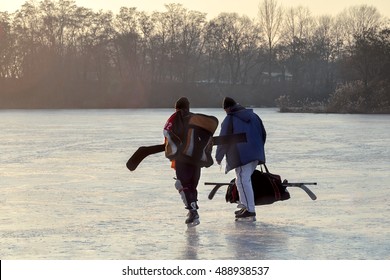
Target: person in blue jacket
(242, 157)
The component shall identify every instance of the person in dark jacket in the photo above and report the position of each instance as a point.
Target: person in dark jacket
(188, 145)
(242, 157)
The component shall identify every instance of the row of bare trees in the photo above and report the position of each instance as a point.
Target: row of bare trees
(56, 52)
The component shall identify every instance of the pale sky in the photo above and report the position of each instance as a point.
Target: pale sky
(214, 7)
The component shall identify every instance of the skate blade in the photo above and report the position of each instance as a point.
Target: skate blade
(194, 223)
(246, 219)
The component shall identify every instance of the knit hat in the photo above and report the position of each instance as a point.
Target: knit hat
(182, 103)
(228, 102)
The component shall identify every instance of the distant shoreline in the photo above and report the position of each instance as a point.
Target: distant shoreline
(304, 109)
(324, 110)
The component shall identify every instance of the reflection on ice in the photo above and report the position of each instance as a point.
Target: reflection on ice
(190, 251)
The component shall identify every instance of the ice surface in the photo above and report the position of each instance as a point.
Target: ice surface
(65, 192)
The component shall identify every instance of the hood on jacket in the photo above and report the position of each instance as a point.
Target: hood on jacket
(241, 112)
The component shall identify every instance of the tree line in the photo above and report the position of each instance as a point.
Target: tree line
(55, 54)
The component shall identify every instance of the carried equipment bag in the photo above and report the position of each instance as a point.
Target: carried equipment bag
(267, 188)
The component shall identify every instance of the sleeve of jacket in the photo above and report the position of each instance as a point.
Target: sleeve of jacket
(263, 130)
(171, 139)
(222, 149)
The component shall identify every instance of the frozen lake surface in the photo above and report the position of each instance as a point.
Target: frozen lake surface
(65, 192)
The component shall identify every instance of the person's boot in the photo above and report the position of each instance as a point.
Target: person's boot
(192, 218)
(239, 211)
(245, 215)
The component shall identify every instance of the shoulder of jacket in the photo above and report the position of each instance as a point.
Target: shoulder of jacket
(172, 117)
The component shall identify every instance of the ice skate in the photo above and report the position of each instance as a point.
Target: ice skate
(193, 218)
(245, 215)
(239, 211)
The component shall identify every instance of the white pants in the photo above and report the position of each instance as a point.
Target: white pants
(244, 184)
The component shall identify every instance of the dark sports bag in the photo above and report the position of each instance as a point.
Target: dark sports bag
(267, 188)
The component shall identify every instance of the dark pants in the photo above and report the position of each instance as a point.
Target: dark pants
(189, 176)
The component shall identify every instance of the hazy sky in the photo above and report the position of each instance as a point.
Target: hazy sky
(214, 7)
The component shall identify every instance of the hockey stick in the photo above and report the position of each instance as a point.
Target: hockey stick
(216, 188)
(229, 139)
(303, 187)
(286, 184)
(142, 152)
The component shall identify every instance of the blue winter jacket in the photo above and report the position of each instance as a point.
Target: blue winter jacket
(240, 120)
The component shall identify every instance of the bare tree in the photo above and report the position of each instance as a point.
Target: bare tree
(147, 57)
(298, 23)
(27, 29)
(191, 44)
(127, 42)
(233, 43)
(326, 44)
(8, 62)
(358, 20)
(296, 35)
(271, 17)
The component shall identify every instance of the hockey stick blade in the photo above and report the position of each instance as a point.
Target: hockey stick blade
(216, 188)
(141, 153)
(305, 188)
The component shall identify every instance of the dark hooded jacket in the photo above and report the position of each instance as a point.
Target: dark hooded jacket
(242, 120)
